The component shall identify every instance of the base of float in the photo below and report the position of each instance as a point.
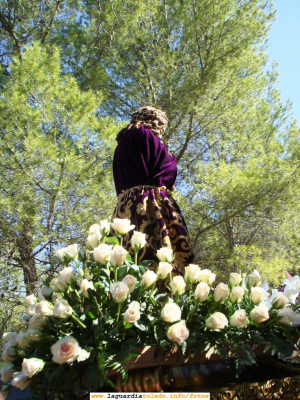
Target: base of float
(270, 379)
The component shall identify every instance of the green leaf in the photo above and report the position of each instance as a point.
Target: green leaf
(111, 240)
(122, 271)
(141, 325)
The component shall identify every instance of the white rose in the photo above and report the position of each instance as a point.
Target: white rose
(67, 254)
(66, 275)
(44, 308)
(104, 227)
(36, 322)
(84, 286)
(130, 281)
(9, 353)
(30, 309)
(23, 340)
(178, 285)
(6, 371)
(287, 316)
(10, 337)
(280, 301)
(138, 240)
(132, 313)
(20, 381)
(30, 300)
(65, 350)
(118, 256)
(171, 312)
(95, 228)
(178, 332)
(257, 294)
(235, 279)
(202, 291)
(32, 366)
(24, 319)
(239, 319)
(45, 292)
(122, 226)
(119, 291)
(34, 335)
(164, 269)
(216, 321)
(221, 292)
(237, 294)
(252, 280)
(259, 313)
(93, 241)
(191, 273)
(207, 276)
(148, 278)
(62, 309)
(102, 253)
(165, 254)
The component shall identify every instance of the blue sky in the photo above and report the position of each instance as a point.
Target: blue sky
(284, 41)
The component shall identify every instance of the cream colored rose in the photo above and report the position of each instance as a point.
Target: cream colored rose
(148, 279)
(30, 300)
(45, 292)
(104, 227)
(32, 366)
(280, 301)
(84, 286)
(66, 275)
(235, 279)
(178, 285)
(130, 281)
(65, 350)
(67, 254)
(102, 253)
(216, 321)
(118, 256)
(62, 309)
(20, 381)
(165, 254)
(44, 308)
(6, 371)
(37, 322)
(132, 313)
(30, 309)
(237, 294)
(53, 283)
(202, 291)
(252, 280)
(192, 273)
(8, 353)
(171, 312)
(138, 240)
(239, 319)
(207, 276)
(221, 292)
(257, 294)
(34, 335)
(178, 332)
(164, 269)
(22, 340)
(10, 337)
(93, 240)
(122, 226)
(95, 228)
(24, 319)
(119, 291)
(259, 313)
(287, 316)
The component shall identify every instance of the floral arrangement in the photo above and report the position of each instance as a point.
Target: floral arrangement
(88, 320)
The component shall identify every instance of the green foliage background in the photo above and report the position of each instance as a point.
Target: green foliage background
(73, 71)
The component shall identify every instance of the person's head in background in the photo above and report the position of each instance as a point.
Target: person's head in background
(150, 117)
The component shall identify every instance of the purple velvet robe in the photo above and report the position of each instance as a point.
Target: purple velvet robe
(141, 158)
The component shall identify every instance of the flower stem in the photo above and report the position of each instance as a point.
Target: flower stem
(78, 321)
(121, 240)
(135, 257)
(119, 309)
(116, 275)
